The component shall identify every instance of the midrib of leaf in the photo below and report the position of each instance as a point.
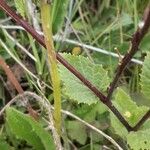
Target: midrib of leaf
(47, 28)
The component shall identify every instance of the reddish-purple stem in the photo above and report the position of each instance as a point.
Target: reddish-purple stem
(40, 39)
(135, 41)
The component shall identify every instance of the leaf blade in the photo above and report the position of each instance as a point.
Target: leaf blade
(74, 88)
(145, 77)
(24, 127)
(128, 109)
(58, 14)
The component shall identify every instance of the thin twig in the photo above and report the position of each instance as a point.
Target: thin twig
(86, 82)
(45, 103)
(135, 42)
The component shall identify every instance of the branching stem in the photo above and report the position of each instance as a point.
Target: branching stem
(135, 42)
(105, 99)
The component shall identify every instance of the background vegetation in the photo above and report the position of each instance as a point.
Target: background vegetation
(92, 35)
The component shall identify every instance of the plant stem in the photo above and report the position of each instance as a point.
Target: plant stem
(135, 42)
(136, 39)
(47, 28)
(87, 83)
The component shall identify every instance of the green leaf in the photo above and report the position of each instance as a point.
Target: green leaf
(20, 6)
(77, 131)
(93, 147)
(73, 87)
(25, 128)
(118, 127)
(145, 77)
(145, 44)
(4, 146)
(139, 140)
(59, 10)
(124, 20)
(89, 112)
(128, 109)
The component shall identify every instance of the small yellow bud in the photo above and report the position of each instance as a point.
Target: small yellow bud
(76, 50)
(127, 114)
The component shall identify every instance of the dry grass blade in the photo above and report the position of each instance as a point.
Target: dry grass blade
(11, 76)
(16, 84)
